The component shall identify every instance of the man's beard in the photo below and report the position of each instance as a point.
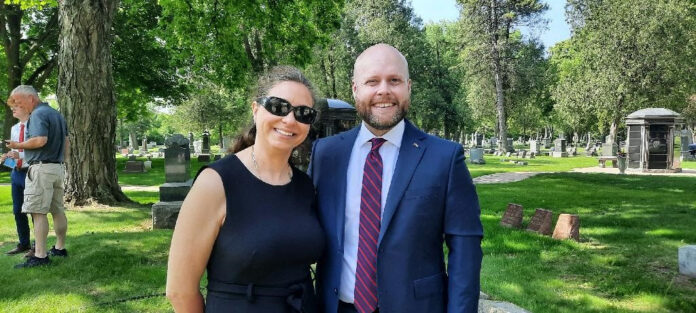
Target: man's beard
(365, 113)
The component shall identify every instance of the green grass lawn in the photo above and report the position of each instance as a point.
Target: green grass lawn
(154, 177)
(494, 164)
(631, 228)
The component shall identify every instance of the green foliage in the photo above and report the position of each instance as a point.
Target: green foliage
(624, 56)
(231, 41)
(213, 107)
(29, 4)
(492, 46)
(143, 72)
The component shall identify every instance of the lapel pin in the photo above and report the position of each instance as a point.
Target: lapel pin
(415, 145)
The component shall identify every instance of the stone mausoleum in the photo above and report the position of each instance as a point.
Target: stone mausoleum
(650, 142)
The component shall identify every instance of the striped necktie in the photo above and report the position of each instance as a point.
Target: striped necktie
(370, 220)
(21, 139)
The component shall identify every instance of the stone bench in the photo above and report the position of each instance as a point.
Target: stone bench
(603, 160)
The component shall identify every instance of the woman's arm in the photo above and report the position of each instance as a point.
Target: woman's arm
(202, 213)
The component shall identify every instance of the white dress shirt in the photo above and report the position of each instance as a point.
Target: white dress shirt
(14, 136)
(389, 152)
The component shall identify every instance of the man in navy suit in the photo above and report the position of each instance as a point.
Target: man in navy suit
(388, 204)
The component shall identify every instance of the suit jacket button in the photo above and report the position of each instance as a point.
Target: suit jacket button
(335, 291)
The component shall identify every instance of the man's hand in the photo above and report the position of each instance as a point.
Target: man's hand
(13, 154)
(12, 144)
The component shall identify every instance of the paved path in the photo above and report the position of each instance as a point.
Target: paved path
(509, 177)
(687, 172)
(139, 188)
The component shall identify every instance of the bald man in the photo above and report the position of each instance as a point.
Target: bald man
(389, 195)
(44, 150)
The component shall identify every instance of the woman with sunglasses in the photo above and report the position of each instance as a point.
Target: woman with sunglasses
(250, 218)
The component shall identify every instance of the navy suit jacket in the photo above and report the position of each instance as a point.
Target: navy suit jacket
(431, 199)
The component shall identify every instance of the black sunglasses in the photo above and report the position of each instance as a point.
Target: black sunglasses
(281, 107)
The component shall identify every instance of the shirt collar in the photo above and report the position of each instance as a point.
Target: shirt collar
(393, 136)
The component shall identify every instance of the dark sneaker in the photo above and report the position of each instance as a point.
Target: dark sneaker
(29, 253)
(56, 252)
(34, 262)
(18, 249)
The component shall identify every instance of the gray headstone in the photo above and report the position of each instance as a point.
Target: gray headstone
(510, 147)
(687, 260)
(190, 142)
(198, 146)
(143, 147)
(610, 149)
(134, 167)
(164, 214)
(533, 146)
(476, 156)
(559, 148)
(174, 191)
(177, 159)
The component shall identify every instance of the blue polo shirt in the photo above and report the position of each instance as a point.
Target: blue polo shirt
(45, 121)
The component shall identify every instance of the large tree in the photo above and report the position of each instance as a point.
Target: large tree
(29, 43)
(86, 99)
(487, 27)
(230, 41)
(627, 55)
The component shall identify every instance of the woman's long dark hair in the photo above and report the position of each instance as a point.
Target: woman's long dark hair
(274, 76)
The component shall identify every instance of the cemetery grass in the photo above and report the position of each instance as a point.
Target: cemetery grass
(626, 260)
(113, 254)
(154, 177)
(495, 164)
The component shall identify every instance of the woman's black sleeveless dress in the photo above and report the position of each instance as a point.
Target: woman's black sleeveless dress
(260, 262)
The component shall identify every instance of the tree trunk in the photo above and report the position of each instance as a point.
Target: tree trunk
(497, 73)
(222, 140)
(86, 98)
(132, 139)
(11, 39)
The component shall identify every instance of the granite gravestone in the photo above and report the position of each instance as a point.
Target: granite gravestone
(205, 149)
(559, 150)
(177, 159)
(534, 146)
(476, 156)
(190, 138)
(509, 147)
(204, 156)
(567, 227)
(134, 166)
(687, 260)
(541, 222)
(685, 142)
(609, 148)
(513, 216)
(143, 147)
(547, 143)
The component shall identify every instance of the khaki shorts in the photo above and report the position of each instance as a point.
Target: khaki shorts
(43, 189)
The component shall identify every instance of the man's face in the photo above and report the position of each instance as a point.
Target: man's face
(381, 88)
(19, 112)
(23, 102)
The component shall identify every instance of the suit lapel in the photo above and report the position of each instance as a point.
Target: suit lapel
(412, 148)
(342, 154)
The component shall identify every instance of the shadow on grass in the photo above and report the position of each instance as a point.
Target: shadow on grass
(626, 261)
(101, 267)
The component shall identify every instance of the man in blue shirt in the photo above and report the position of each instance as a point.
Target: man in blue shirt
(45, 152)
